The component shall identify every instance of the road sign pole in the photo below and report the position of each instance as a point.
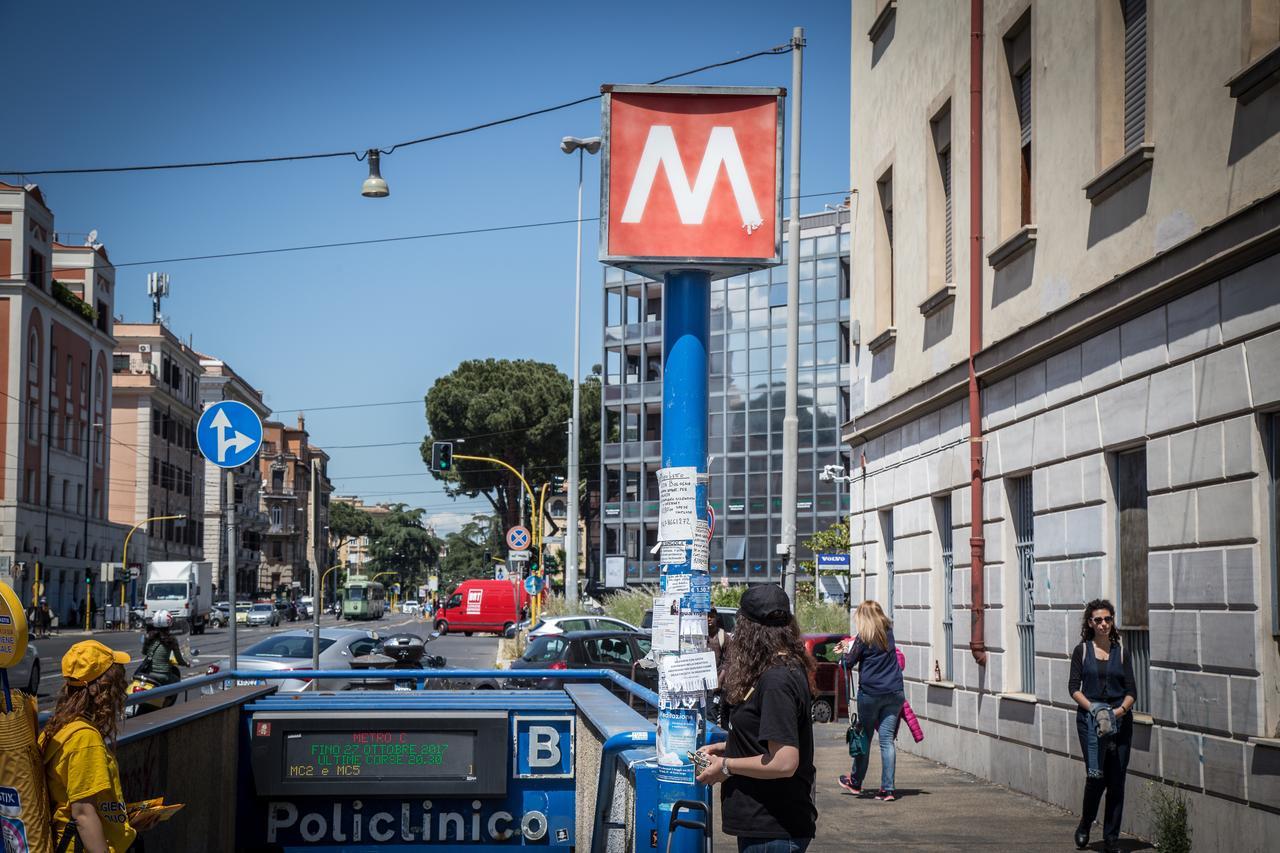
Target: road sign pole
(686, 327)
(790, 420)
(231, 559)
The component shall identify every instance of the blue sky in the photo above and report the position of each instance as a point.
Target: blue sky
(138, 83)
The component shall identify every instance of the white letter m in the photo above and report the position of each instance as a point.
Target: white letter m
(691, 202)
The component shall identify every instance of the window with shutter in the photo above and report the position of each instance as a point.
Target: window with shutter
(1135, 73)
(944, 164)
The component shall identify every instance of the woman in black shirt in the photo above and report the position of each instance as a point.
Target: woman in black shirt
(766, 765)
(1102, 685)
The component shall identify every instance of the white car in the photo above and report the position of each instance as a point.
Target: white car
(410, 605)
(292, 650)
(564, 624)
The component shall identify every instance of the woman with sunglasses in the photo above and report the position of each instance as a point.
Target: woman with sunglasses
(1102, 685)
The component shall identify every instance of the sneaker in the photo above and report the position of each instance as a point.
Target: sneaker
(886, 796)
(849, 785)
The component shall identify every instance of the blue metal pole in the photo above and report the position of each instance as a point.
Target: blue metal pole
(686, 332)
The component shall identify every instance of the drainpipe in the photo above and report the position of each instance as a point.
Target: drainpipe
(977, 576)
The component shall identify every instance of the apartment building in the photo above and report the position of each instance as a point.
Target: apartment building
(156, 468)
(1126, 408)
(55, 437)
(295, 496)
(218, 381)
(747, 351)
(354, 552)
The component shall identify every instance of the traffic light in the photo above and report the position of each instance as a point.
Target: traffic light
(88, 576)
(441, 456)
(557, 484)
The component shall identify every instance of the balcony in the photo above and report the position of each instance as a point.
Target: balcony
(283, 529)
(280, 491)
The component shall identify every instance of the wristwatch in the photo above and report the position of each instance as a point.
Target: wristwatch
(724, 768)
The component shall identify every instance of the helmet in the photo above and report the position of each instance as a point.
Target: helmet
(162, 619)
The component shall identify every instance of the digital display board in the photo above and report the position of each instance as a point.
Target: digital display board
(378, 754)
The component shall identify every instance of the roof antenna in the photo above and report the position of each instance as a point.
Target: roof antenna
(157, 289)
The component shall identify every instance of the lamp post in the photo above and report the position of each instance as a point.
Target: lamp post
(124, 557)
(568, 145)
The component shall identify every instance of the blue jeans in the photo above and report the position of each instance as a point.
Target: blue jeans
(881, 714)
(773, 845)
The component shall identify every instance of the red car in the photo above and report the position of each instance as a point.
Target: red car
(831, 701)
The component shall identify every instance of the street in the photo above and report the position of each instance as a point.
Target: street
(214, 646)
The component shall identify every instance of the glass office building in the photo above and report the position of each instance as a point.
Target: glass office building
(748, 396)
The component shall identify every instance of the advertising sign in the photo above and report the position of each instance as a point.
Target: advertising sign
(615, 572)
(13, 628)
(691, 177)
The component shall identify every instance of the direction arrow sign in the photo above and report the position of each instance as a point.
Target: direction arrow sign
(533, 584)
(229, 433)
(518, 538)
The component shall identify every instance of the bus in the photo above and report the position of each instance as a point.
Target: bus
(363, 599)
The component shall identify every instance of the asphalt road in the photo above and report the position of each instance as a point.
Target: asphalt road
(214, 646)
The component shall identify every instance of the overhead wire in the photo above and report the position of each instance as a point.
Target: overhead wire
(360, 155)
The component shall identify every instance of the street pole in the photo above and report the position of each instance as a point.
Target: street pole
(790, 421)
(231, 558)
(571, 549)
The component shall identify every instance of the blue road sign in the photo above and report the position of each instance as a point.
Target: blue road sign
(518, 538)
(533, 584)
(831, 561)
(229, 433)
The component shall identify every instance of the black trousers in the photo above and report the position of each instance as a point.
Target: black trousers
(1112, 766)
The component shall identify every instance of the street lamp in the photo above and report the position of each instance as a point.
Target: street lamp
(568, 145)
(124, 557)
(374, 185)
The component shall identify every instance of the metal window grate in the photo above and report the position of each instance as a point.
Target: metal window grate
(944, 165)
(1136, 643)
(1135, 72)
(886, 524)
(1024, 530)
(948, 590)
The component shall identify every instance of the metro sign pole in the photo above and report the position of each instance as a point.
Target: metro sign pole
(690, 191)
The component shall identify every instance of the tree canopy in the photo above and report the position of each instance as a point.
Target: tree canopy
(400, 542)
(464, 553)
(346, 521)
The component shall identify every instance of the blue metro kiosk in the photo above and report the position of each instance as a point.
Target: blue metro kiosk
(481, 770)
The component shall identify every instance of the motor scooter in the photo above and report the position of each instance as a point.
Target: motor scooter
(143, 681)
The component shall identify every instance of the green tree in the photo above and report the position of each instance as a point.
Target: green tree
(401, 543)
(833, 540)
(464, 552)
(346, 522)
(516, 411)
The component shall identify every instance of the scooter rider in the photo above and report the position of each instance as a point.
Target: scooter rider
(160, 649)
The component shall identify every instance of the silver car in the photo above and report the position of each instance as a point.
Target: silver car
(263, 614)
(292, 650)
(25, 675)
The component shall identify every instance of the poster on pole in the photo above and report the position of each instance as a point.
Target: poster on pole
(677, 503)
(666, 623)
(615, 572)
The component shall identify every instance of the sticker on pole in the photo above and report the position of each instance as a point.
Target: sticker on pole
(677, 503)
(229, 433)
(518, 538)
(691, 177)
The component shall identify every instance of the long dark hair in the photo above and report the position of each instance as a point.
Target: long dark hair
(756, 647)
(1086, 623)
(100, 703)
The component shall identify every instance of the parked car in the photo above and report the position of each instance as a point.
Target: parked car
(565, 624)
(263, 613)
(410, 605)
(617, 650)
(242, 613)
(25, 674)
(728, 616)
(220, 615)
(831, 699)
(293, 650)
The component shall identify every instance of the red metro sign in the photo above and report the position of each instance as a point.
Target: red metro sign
(691, 178)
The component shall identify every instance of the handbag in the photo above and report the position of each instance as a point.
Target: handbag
(857, 736)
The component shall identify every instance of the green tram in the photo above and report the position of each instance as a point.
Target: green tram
(363, 599)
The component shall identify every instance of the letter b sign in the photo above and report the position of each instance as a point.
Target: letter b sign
(543, 747)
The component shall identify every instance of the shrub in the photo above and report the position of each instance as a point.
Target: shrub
(1168, 809)
(631, 604)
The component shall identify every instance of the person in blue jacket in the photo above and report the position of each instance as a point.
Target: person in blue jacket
(880, 693)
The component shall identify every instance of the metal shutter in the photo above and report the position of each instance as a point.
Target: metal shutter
(1135, 73)
(944, 165)
(1022, 86)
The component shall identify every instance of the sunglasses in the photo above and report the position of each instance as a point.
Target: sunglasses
(1103, 620)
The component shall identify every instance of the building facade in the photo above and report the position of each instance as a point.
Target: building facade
(295, 496)
(55, 318)
(747, 391)
(354, 552)
(218, 381)
(156, 467)
(1125, 353)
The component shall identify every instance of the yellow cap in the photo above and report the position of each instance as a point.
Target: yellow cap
(89, 659)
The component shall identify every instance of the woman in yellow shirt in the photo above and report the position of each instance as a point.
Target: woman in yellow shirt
(80, 768)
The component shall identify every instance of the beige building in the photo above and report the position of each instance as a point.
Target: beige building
(1125, 352)
(218, 381)
(354, 553)
(56, 305)
(156, 467)
(295, 496)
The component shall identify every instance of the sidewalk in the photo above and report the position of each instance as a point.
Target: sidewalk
(940, 809)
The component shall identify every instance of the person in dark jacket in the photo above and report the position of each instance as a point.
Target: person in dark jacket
(160, 650)
(1102, 685)
(880, 693)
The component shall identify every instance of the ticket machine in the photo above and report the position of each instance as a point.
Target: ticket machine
(434, 770)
